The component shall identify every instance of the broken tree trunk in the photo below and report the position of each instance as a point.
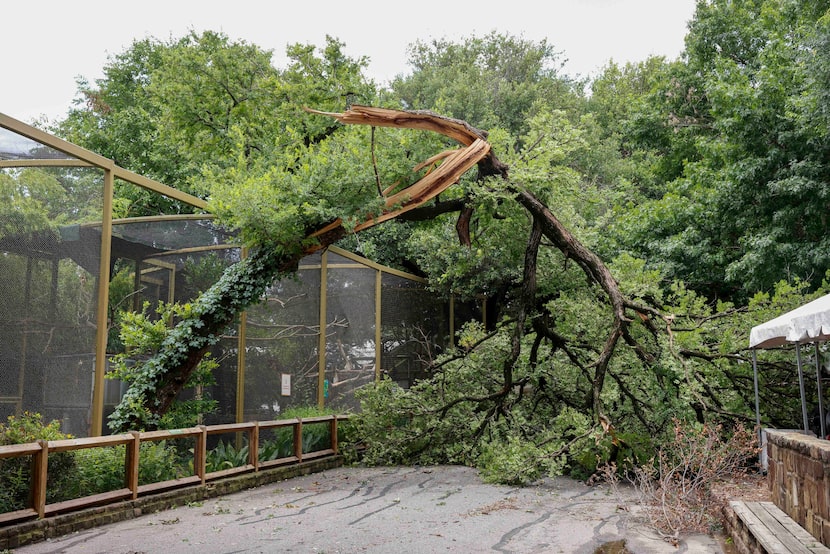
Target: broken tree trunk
(162, 377)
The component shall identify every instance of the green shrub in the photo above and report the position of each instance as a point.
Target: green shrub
(280, 445)
(99, 470)
(76, 473)
(225, 456)
(315, 436)
(15, 473)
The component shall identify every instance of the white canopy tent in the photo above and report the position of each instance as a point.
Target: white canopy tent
(809, 323)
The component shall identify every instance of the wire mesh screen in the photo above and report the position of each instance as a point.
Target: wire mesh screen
(414, 329)
(350, 333)
(49, 266)
(282, 347)
(167, 260)
(50, 262)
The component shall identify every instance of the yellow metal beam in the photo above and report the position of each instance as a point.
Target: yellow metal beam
(378, 337)
(241, 360)
(65, 162)
(54, 142)
(84, 155)
(155, 218)
(321, 344)
(155, 186)
(97, 420)
(366, 262)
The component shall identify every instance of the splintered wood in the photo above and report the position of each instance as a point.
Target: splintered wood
(455, 163)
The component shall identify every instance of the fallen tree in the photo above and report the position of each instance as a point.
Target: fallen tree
(548, 226)
(160, 378)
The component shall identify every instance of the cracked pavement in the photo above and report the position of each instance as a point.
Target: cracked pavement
(413, 510)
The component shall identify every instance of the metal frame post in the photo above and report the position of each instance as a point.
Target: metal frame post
(97, 420)
(801, 388)
(321, 345)
(820, 393)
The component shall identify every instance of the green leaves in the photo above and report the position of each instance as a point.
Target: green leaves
(744, 206)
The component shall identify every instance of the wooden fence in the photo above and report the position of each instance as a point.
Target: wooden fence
(41, 450)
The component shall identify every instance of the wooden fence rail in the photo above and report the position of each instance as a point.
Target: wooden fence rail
(245, 433)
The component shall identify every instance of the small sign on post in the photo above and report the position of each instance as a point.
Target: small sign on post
(286, 384)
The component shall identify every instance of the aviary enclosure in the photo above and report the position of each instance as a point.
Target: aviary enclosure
(67, 268)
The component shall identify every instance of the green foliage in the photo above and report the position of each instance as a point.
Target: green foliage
(103, 469)
(14, 493)
(699, 182)
(76, 473)
(176, 109)
(30, 427)
(142, 334)
(431, 423)
(226, 456)
(15, 473)
(491, 81)
(514, 460)
(315, 436)
(275, 443)
(743, 204)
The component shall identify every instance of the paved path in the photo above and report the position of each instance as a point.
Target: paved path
(386, 511)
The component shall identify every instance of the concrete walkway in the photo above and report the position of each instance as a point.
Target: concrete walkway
(388, 511)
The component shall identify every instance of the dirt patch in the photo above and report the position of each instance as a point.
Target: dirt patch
(616, 547)
(505, 504)
(749, 487)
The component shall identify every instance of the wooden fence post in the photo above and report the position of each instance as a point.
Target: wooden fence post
(40, 463)
(200, 454)
(333, 432)
(253, 446)
(298, 439)
(131, 463)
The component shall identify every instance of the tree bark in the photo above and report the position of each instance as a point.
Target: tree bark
(596, 271)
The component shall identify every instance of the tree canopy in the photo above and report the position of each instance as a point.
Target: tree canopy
(624, 233)
(745, 195)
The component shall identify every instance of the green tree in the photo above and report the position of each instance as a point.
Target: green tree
(495, 81)
(169, 109)
(582, 358)
(744, 206)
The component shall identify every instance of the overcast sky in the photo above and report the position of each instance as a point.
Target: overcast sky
(46, 44)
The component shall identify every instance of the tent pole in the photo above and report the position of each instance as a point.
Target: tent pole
(820, 392)
(757, 401)
(801, 387)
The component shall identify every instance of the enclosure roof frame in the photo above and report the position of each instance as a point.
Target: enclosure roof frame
(91, 158)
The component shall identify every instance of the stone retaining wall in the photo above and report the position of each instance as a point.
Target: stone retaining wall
(37, 530)
(799, 479)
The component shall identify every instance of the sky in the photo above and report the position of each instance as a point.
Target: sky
(46, 45)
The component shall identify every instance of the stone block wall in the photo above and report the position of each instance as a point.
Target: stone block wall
(799, 479)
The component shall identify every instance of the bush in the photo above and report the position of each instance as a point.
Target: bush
(676, 485)
(317, 436)
(225, 456)
(76, 473)
(99, 470)
(278, 444)
(15, 473)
